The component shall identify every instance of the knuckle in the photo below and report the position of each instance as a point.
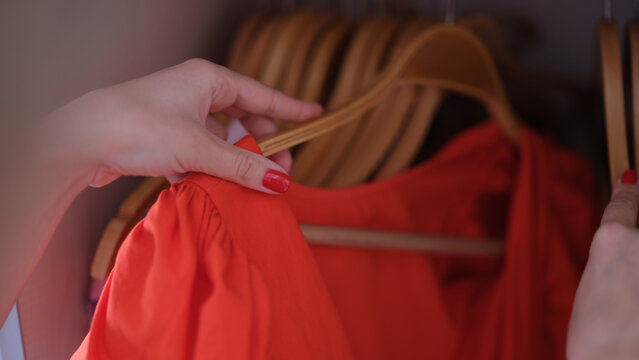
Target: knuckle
(272, 104)
(198, 64)
(609, 235)
(624, 198)
(611, 230)
(245, 167)
(222, 89)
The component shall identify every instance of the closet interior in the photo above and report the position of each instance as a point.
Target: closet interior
(493, 105)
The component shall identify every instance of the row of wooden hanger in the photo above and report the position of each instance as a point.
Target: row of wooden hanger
(386, 140)
(614, 94)
(391, 75)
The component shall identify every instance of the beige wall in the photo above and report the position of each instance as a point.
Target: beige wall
(53, 51)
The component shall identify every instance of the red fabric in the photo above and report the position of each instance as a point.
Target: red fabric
(219, 271)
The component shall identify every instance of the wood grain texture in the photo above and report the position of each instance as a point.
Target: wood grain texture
(252, 61)
(302, 51)
(315, 80)
(612, 80)
(282, 46)
(445, 56)
(310, 154)
(243, 38)
(408, 144)
(330, 172)
(388, 240)
(633, 30)
(377, 133)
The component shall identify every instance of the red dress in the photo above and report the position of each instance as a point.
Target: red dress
(217, 271)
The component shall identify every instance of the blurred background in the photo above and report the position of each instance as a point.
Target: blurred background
(54, 51)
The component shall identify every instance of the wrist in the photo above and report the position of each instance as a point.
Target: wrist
(61, 148)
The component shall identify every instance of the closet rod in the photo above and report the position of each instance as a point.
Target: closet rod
(389, 240)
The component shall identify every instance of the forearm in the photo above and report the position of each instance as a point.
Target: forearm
(41, 180)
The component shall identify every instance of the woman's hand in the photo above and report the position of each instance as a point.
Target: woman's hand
(160, 124)
(605, 317)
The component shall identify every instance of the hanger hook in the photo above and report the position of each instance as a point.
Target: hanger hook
(450, 12)
(607, 10)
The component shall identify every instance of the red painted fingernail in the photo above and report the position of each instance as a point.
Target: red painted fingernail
(276, 181)
(629, 177)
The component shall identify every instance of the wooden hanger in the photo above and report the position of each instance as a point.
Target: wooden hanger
(299, 53)
(314, 83)
(243, 38)
(368, 142)
(282, 47)
(302, 51)
(309, 154)
(445, 56)
(633, 30)
(420, 64)
(253, 59)
(612, 79)
(377, 132)
(369, 52)
(487, 30)
(371, 143)
(355, 171)
(381, 41)
(407, 145)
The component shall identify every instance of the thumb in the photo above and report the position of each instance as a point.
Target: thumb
(624, 202)
(243, 167)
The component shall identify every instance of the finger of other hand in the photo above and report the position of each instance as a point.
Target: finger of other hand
(624, 202)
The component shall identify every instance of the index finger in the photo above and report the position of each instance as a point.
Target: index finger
(253, 97)
(624, 202)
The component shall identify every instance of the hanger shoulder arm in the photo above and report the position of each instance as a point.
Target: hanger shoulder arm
(118, 228)
(612, 80)
(633, 30)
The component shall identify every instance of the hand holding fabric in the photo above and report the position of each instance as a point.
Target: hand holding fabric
(157, 125)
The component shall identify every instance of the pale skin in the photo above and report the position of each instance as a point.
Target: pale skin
(605, 317)
(160, 125)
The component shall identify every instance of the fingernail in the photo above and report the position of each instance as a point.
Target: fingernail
(276, 181)
(629, 177)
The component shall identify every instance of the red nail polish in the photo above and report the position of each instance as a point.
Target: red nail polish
(629, 177)
(276, 181)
